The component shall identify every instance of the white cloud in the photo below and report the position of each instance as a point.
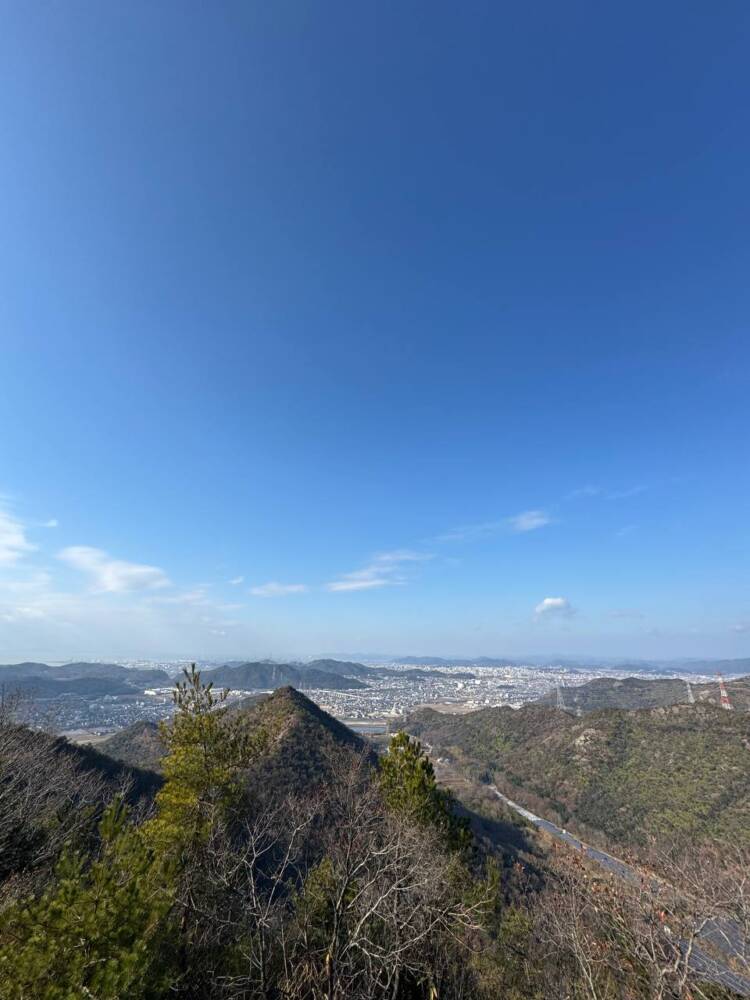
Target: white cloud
(274, 589)
(13, 542)
(554, 606)
(52, 523)
(237, 580)
(529, 520)
(742, 627)
(384, 570)
(113, 575)
(363, 584)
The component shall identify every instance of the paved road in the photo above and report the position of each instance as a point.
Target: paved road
(718, 934)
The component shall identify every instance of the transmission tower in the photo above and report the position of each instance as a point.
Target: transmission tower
(560, 700)
(691, 696)
(724, 696)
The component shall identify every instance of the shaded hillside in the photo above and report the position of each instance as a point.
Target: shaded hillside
(641, 692)
(139, 745)
(302, 736)
(682, 771)
(266, 675)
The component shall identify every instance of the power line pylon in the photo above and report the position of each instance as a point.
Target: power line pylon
(724, 696)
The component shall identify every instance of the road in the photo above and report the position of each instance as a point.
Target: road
(719, 935)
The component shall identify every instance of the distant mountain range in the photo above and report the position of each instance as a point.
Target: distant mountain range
(85, 680)
(696, 666)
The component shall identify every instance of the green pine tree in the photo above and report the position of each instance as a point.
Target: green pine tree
(101, 930)
(407, 781)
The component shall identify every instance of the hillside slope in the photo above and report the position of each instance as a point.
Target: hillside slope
(642, 692)
(302, 737)
(672, 772)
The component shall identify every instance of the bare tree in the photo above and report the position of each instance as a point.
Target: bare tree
(46, 797)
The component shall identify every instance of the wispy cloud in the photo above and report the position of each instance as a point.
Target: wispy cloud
(14, 544)
(384, 570)
(529, 520)
(554, 606)
(584, 491)
(741, 627)
(274, 589)
(364, 584)
(52, 523)
(627, 529)
(236, 580)
(110, 575)
(471, 532)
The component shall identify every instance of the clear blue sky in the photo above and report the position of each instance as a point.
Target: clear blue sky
(425, 324)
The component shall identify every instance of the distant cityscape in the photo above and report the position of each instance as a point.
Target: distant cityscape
(453, 688)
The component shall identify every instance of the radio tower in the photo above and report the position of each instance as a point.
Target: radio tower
(691, 696)
(725, 702)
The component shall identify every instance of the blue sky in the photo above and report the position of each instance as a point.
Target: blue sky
(411, 327)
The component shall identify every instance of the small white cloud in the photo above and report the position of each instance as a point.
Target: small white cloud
(52, 523)
(628, 529)
(554, 606)
(742, 627)
(529, 520)
(237, 580)
(13, 542)
(113, 575)
(361, 584)
(274, 589)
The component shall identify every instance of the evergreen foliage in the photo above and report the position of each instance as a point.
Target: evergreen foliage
(101, 930)
(408, 785)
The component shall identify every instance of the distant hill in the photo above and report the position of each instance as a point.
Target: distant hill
(303, 737)
(86, 680)
(265, 674)
(666, 772)
(641, 692)
(344, 668)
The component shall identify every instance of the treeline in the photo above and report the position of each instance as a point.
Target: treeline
(365, 886)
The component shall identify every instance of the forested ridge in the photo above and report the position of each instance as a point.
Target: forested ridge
(633, 776)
